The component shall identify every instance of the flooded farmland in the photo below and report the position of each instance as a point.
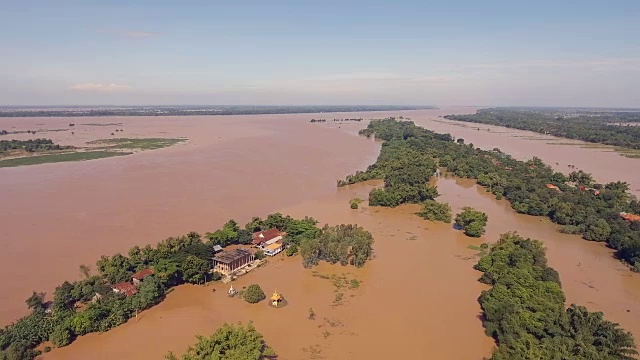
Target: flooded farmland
(418, 296)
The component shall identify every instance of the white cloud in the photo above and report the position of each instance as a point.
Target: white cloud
(98, 87)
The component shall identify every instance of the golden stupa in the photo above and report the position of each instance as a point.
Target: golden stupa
(276, 299)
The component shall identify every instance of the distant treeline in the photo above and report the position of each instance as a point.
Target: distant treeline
(90, 305)
(30, 145)
(408, 159)
(524, 311)
(336, 120)
(596, 127)
(196, 110)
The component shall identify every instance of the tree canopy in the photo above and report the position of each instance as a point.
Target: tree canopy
(254, 294)
(611, 128)
(472, 221)
(580, 204)
(230, 342)
(524, 310)
(346, 244)
(435, 211)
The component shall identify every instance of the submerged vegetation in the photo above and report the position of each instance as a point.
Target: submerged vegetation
(524, 311)
(230, 342)
(355, 203)
(137, 144)
(435, 211)
(35, 145)
(346, 244)
(54, 153)
(610, 128)
(61, 157)
(532, 187)
(472, 222)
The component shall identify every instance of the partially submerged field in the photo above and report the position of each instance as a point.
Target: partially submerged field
(59, 157)
(70, 147)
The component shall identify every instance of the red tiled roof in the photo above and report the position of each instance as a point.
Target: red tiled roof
(630, 217)
(266, 235)
(551, 186)
(126, 288)
(142, 274)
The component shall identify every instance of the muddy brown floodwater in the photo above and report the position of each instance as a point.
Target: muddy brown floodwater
(417, 298)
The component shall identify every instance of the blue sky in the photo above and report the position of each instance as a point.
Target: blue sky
(573, 53)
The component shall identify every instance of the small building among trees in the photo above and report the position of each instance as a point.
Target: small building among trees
(125, 288)
(140, 275)
(267, 237)
(229, 261)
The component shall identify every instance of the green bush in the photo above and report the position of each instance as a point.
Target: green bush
(230, 342)
(254, 294)
(61, 336)
(291, 250)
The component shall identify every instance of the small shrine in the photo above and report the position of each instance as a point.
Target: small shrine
(276, 299)
(232, 291)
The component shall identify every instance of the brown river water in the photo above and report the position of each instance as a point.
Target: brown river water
(417, 298)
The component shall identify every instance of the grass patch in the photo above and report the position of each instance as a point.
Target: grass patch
(137, 144)
(354, 284)
(482, 249)
(64, 157)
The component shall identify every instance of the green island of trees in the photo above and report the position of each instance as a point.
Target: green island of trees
(524, 311)
(48, 152)
(435, 211)
(581, 205)
(472, 222)
(230, 342)
(90, 305)
(610, 128)
(344, 244)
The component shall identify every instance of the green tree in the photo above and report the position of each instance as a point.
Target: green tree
(85, 270)
(230, 342)
(151, 292)
(435, 211)
(36, 301)
(62, 298)
(259, 255)
(597, 230)
(168, 271)
(254, 294)
(194, 270)
(473, 222)
(61, 336)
